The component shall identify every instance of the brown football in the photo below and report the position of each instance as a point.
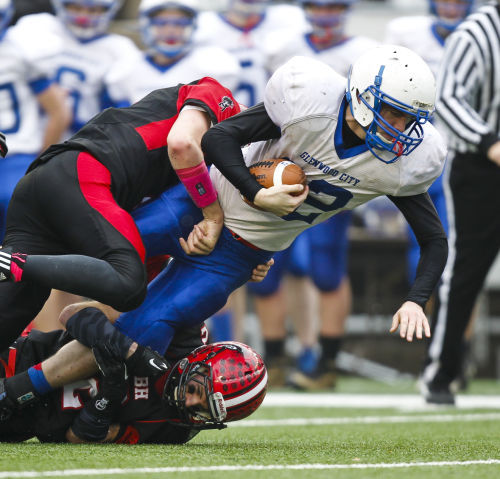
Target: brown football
(276, 171)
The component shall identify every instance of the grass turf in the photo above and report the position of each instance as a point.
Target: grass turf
(344, 444)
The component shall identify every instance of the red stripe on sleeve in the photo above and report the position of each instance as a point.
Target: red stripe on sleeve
(155, 134)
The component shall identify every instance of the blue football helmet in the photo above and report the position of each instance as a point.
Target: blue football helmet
(395, 77)
(91, 25)
(449, 14)
(175, 40)
(6, 13)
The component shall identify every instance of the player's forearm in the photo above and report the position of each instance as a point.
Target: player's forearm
(433, 256)
(184, 138)
(58, 114)
(222, 144)
(72, 362)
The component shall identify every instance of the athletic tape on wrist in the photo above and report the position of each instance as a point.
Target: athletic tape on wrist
(198, 184)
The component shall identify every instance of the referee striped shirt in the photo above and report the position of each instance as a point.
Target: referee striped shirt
(468, 84)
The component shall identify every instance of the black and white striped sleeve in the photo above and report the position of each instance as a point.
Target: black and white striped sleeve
(467, 94)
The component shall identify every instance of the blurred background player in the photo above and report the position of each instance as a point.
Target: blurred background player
(26, 94)
(326, 40)
(241, 29)
(82, 51)
(170, 58)
(78, 53)
(426, 35)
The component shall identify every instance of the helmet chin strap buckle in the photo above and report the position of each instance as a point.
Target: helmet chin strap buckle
(397, 148)
(217, 406)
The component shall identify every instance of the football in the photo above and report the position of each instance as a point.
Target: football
(275, 172)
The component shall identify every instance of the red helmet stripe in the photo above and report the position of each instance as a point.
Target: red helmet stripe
(248, 395)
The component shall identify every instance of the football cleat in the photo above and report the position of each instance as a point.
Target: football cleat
(11, 265)
(437, 393)
(324, 377)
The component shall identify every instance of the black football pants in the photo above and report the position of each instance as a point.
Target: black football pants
(78, 239)
(474, 240)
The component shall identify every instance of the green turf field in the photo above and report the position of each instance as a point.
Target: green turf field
(309, 442)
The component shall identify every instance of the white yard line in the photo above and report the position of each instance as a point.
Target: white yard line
(328, 421)
(250, 467)
(404, 402)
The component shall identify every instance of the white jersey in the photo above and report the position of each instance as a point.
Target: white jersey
(20, 82)
(418, 34)
(305, 98)
(80, 67)
(248, 45)
(282, 46)
(132, 80)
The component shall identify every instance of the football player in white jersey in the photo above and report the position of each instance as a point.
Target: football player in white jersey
(167, 29)
(24, 89)
(242, 30)
(354, 144)
(325, 40)
(78, 52)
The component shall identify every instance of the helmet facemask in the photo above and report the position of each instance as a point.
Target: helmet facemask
(327, 24)
(87, 25)
(213, 415)
(450, 14)
(168, 29)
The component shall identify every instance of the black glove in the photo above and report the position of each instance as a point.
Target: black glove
(113, 385)
(92, 424)
(3, 145)
(146, 362)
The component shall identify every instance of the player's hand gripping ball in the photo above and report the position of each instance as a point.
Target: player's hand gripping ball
(276, 172)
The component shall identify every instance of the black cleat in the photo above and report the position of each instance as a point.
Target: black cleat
(435, 393)
(11, 265)
(323, 377)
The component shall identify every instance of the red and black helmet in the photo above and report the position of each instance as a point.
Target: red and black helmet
(234, 377)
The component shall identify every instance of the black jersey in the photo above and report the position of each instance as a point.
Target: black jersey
(132, 142)
(144, 416)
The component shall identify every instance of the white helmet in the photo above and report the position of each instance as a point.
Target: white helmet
(394, 76)
(87, 27)
(322, 21)
(6, 13)
(174, 44)
(248, 8)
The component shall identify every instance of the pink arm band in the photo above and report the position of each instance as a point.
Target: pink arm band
(198, 184)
